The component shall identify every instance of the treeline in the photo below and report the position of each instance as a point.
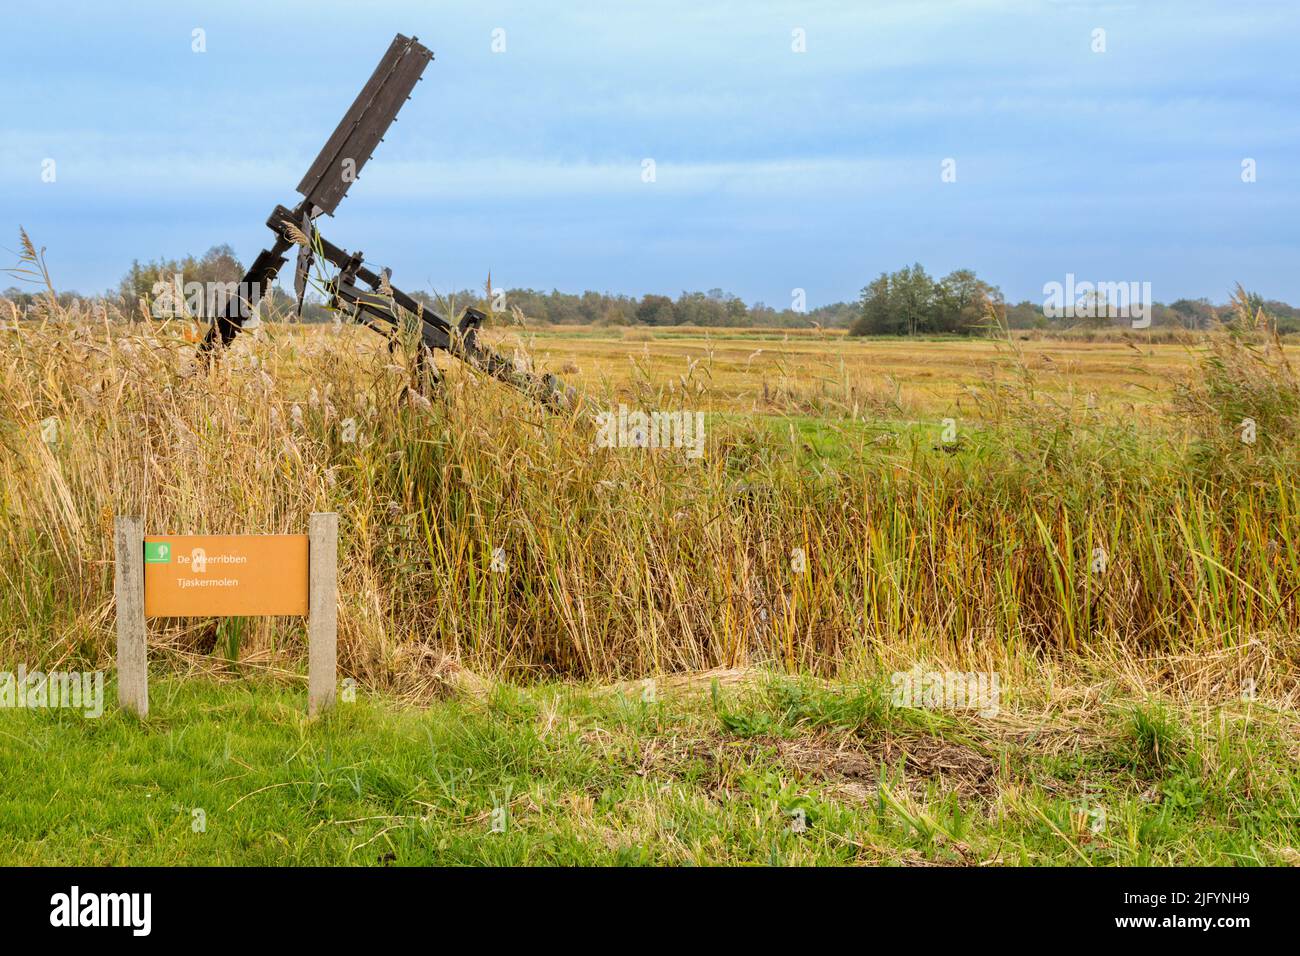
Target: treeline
(714, 308)
(910, 302)
(905, 302)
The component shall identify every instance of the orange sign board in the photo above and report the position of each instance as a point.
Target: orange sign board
(225, 575)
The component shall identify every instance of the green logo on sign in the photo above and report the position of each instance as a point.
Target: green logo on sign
(157, 552)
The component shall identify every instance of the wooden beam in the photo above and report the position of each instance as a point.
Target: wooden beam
(322, 611)
(128, 591)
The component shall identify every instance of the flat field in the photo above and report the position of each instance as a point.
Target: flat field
(771, 370)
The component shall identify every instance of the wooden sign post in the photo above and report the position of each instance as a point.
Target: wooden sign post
(128, 589)
(323, 612)
(226, 576)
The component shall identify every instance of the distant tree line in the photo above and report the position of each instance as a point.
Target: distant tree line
(714, 308)
(905, 302)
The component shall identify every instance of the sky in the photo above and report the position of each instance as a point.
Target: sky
(1114, 155)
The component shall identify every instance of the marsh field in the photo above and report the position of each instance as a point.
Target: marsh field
(646, 656)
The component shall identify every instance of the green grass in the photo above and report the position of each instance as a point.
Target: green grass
(603, 778)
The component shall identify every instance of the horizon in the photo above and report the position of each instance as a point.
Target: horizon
(775, 170)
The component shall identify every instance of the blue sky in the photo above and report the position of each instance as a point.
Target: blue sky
(775, 170)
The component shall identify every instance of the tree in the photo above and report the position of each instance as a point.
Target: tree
(656, 310)
(913, 294)
(1026, 315)
(908, 302)
(737, 311)
(964, 301)
(876, 313)
(218, 265)
(1194, 313)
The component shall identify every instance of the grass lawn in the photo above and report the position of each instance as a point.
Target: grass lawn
(773, 771)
